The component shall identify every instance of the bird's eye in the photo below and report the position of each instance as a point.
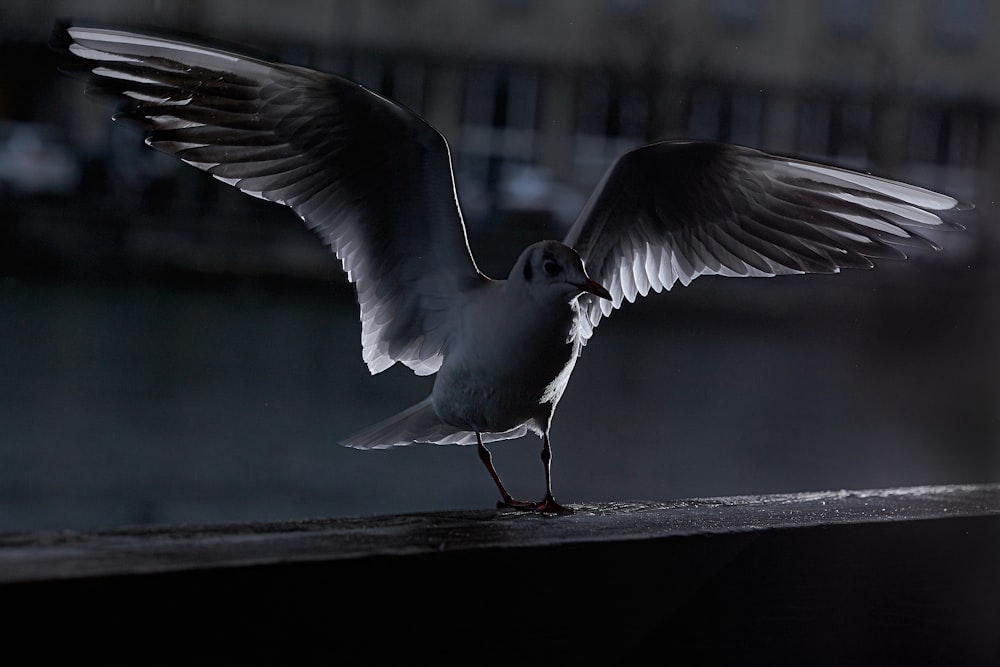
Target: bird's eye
(551, 268)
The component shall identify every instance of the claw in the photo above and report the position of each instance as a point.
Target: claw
(547, 506)
(550, 506)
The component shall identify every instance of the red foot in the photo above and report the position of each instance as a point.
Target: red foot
(547, 506)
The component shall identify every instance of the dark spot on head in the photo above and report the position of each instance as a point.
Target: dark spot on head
(550, 266)
(527, 271)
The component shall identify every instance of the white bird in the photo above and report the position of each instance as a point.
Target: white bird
(375, 182)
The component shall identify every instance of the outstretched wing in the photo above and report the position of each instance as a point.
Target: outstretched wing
(370, 177)
(681, 209)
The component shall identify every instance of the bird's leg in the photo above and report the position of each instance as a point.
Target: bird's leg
(487, 459)
(549, 504)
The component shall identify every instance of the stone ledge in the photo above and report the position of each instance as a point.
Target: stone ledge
(48, 555)
(896, 576)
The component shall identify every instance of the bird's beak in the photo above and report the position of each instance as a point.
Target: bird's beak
(596, 289)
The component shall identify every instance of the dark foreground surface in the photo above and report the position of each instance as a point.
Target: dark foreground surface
(899, 576)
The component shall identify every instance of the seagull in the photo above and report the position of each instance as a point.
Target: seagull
(375, 182)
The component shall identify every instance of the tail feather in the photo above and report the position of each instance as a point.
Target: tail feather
(419, 423)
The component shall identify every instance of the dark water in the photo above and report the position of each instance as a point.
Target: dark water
(125, 402)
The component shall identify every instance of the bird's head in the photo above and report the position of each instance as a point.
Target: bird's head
(551, 269)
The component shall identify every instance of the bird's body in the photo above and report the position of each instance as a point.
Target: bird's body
(507, 369)
(511, 350)
(375, 182)
(474, 390)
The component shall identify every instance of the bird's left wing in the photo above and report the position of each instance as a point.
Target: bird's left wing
(369, 176)
(677, 210)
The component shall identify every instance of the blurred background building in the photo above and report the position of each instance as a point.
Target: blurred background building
(536, 100)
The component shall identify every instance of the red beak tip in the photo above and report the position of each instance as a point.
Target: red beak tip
(597, 289)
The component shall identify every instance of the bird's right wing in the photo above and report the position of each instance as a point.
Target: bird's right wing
(370, 177)
(677, 210)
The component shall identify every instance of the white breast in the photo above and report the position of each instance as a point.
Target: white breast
(508, 366)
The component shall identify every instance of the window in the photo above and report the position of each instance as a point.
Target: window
(725, 115)
(835, 127)
(738, 14)
(958, 23)
(945, 136)
(400, 79)
(849, 18)
(499, 128)
(612, 117)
